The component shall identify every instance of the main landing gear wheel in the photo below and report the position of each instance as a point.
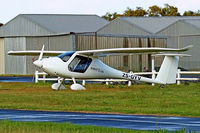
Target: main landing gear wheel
(58, 86)
(76, 86)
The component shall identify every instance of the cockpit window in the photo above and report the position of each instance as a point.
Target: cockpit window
(65, 56)
(80, 64)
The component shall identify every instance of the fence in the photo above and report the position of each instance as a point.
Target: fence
(153, 74)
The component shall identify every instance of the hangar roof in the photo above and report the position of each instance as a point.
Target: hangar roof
(62, 23)
(155, 24)
(194, 22)
(51, 24)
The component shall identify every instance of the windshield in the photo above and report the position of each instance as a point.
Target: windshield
(80, 64)
(65, 56)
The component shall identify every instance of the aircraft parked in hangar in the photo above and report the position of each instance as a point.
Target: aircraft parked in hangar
(86, 65)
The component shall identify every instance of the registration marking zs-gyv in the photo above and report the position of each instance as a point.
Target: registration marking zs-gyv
(131, 76)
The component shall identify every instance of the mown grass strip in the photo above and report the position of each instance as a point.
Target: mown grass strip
(50, 127)
(183, 100)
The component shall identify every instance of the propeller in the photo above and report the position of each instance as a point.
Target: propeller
(38, 63)
(41, 54)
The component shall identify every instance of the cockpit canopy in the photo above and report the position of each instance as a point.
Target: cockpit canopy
(65, 56)
(79, 64)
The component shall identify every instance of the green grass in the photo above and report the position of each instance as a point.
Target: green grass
(50, 127)
(183, 100)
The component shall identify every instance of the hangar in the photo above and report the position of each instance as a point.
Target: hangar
(31, 31)
(182, 33)
(68, 32)
(179, 31)
(84, 32)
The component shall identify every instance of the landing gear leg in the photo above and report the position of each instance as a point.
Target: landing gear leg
(59, 85)
(162, 86)
(76, 86)
(73, 79)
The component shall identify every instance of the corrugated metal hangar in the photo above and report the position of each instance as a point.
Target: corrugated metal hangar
(126, 63)
(31, 31)
(179, 31)
(83, 32)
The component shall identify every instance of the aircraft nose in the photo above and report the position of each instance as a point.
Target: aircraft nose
(38, 63)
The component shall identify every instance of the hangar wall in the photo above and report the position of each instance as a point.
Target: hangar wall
(15, 64)
(181, 34)
(15, 34)
(2, 56)
(119, 26)
(71, 42)
(24, 64)
(193, 62)
(60, 43)
(126, 63)
(20, 26)
(177, 29)
(129, 35)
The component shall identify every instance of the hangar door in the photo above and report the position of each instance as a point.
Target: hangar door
(2, 61)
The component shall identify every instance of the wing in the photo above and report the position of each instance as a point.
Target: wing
(127, 51)
(35, 52)
(102, 52)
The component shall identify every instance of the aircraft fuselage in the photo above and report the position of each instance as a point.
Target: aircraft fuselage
(72, 65)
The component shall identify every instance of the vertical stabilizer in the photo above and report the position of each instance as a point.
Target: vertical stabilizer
(168, 70)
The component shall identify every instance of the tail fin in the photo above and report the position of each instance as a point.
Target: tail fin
(167, 72)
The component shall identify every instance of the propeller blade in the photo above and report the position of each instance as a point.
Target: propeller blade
(41, 54)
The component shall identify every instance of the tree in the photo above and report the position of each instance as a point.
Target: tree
(189, 13)
(108, 16)
(116, 15)
(197, 13)
(129, 12)
(111, 17)
(140, 12)
(154, 11)
(169, 11)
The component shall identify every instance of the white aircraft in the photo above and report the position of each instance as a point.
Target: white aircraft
(86, 65)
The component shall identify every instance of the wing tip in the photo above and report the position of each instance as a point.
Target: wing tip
(10, 52)
(186, 48)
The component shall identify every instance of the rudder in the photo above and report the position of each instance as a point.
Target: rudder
(168, 70)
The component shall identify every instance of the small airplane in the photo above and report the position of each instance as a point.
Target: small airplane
(86, 65)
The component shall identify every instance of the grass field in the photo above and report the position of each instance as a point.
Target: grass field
(50, 127)
(183, 100)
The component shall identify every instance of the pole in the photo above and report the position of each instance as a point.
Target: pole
(153, 69)
(36, 76)
(179, 76)
(83, 82)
